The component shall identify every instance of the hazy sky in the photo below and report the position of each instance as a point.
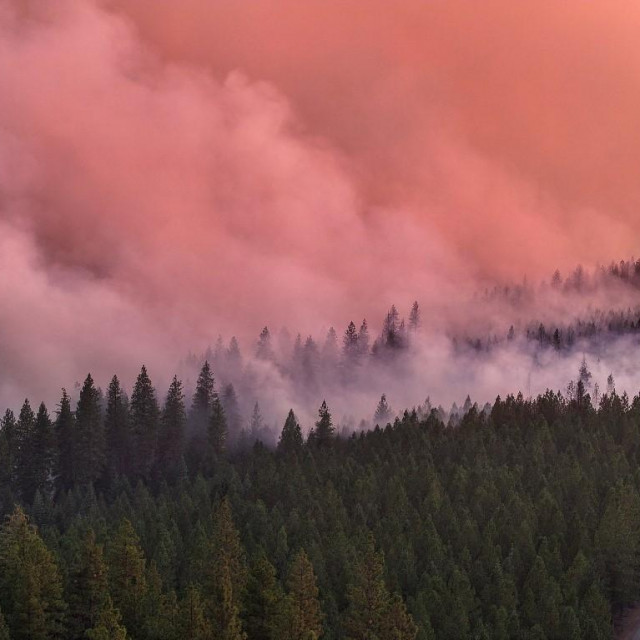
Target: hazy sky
(172, 170)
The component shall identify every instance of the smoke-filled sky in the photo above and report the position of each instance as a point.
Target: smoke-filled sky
(174, 170)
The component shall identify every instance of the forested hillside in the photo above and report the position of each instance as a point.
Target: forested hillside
(126, 520)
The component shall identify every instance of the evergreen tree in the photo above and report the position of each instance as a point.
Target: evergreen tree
(144, 426)
(363, 340)
(108, 625)
(264, 350)
(226, 574)
(89, 449)
(173, 423)
(117, 430)
(24, 440)
(264, 601)
(88, 591)
(229, 625)
(232, 411)
(217, 428)
(30, 585)
(127, 577)
(41, 464)
(291, 441)
(301, 616)
(323, 433)
(193, 623)
(372, 612)
(330, 349)
(382, 414)
(201, 402)
(65, 435)
(256, 424)
(350, 347)
(414, 317)
(7, 433)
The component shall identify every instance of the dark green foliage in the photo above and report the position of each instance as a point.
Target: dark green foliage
(372, 611)
(89, 454)
(217, 428)
(30, 585)
(145, 417)
(117, 430)
(65, 437)
(323, 434)
(290, 443)
(519, 522)
(171, 441)
(87, 592)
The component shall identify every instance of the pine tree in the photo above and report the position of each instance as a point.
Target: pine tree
(372, 611)
(24, 449)
(264, 350)
(414, 317)
(7, 433)
(30, 585)
(264, 601)
(226, 574)
(217, 428)
(193, 623)
(117, 430)
(88, 588)
(330, 348)
(127, 577)
(363, 340)
(232, 411)
(301, 616)
(41, 463)
(323, 433)
(89, 449)
(229, 625)
(291, 441)
(256, 424)
(144, 426)
(350, 347)
(383, 412)
(65, 435)
(108, 625)
(172, 430)
(201, 402)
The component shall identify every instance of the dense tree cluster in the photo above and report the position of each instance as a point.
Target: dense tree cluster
(520, 521)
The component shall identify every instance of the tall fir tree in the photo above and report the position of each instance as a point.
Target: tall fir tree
(226, 574)
(172, 430)
(89, 449)
(88, 590)
(350, 347)
(372, 611)
(363, 340)
(30, 584)
(302, 616)
(324, 432)
(291, 440)
(24, 440)
(145, 417)
(117, 430)
(414, 317)
(65, 436)
(42, 447)
(127, 577)
(217, 428)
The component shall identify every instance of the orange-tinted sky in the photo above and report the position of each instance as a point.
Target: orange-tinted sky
(193, 167)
